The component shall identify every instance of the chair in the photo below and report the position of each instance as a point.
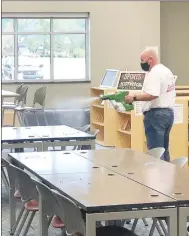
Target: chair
(12, 176)
(180, 162)
(39, 98)
(20, 101)
(156, 152)
(74, 220)
(29, 198)
(51, 207)
(4, 176)
(86, 129)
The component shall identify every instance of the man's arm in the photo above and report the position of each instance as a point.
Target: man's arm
(144, 97)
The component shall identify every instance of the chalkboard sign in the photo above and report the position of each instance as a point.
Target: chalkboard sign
(130, 80)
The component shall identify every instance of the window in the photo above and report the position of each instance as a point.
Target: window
(47, 49)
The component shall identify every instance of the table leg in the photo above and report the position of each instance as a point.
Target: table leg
(93, 144)
(183, 214)
(12, 207)
(172, 225)
(90, 226)
(43, 221)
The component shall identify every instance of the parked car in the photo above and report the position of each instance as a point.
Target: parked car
(26, 69)
(7, 72)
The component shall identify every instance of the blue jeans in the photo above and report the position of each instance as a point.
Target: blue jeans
(157, 124)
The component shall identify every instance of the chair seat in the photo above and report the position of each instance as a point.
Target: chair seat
(114, 231)
(57, 223)
(31, 205)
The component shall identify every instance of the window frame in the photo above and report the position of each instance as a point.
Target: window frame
(49, 16)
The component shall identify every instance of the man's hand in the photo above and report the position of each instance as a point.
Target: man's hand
(129, 99)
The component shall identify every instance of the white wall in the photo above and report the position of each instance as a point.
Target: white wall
(175, 38)
(119, 31)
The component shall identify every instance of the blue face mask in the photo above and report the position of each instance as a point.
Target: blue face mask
(145, 66)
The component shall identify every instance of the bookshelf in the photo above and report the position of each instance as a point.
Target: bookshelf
(102, 116)
(182, 87)
(130, 131)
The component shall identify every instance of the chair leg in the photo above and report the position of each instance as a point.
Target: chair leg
(144, 221)
(3, 114)
(29, 223)
(155, 225)
(22, 223)
(36, 119)
(4, 179)
(163, 227)
(49, 220)
(45, 119)
(14, 118)
(134, 225)
(63, 233)
(18, 220)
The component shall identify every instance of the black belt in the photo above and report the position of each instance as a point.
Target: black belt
(156, 109)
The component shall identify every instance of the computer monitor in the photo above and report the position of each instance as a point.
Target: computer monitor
(109, 78)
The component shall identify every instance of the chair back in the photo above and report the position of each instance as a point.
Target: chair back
(85, 128)
(39, 96)
(93, 132)
(156, 152)
(26, 186)
(21, 100)
(180, 161)
(50, 203)
(18, 89)
(70, 214)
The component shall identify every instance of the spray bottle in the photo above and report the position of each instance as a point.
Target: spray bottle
(118, 100)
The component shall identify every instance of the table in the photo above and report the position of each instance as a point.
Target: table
(49, 136)
(116, 200)
(158, 175)
(8, 94)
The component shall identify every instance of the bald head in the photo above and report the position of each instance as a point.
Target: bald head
(149, 59)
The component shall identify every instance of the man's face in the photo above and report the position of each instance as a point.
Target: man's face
(145, 58)
(146, 61)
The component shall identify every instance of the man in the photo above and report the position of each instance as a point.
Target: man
(158, 94)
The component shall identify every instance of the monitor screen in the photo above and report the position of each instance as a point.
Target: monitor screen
(109, 78)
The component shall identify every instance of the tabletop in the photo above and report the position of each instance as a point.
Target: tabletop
(154, 173)
(5, 93)
(43, 133)
(91, 186)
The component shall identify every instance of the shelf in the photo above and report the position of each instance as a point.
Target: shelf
(124, 131)
(98, 106)
(125, 112)
(98, 123)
